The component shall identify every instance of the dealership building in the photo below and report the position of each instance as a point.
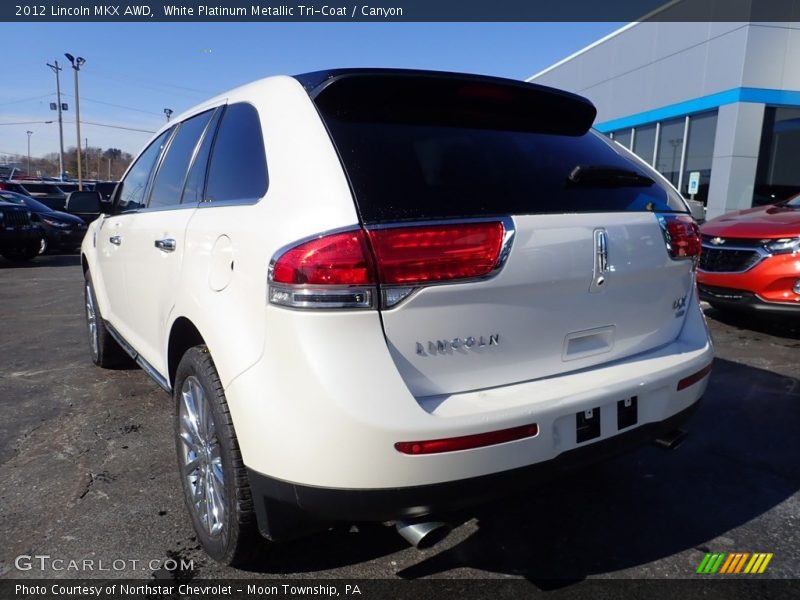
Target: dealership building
(715, 107)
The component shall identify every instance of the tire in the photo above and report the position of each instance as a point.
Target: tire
(105, 350)
(213, 476)
(22, 254)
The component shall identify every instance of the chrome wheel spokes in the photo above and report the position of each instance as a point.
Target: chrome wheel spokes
(91, 322)
(201, 457)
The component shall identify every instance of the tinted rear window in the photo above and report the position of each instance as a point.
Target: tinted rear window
(238, 168)
(420, 162)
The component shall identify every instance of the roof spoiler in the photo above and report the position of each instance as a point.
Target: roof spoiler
(447, 99)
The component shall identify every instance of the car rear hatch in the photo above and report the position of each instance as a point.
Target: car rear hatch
(510, 242)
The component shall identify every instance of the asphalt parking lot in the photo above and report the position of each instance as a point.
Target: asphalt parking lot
(88, 471)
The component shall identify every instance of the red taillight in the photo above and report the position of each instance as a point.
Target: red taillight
(344, 270)
(467, 442)
(681, 235)
(336, 259)
(416, 255)
(693, 378)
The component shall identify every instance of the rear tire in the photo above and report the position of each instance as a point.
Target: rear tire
(214, 479)
(105, 350)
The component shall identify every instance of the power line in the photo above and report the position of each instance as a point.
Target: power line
(113, 126)
(147, 112)
(28, 99)
(26, 122)
(143, 111)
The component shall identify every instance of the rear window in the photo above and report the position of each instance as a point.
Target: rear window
(237, 171)
(442, 154)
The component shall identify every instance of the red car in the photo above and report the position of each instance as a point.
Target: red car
(751, 259)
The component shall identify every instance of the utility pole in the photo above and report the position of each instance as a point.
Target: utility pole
(56, 70)
(76, 66)
(30, 133)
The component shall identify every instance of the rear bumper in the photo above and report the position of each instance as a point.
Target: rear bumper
(321, 415)
(273, 497)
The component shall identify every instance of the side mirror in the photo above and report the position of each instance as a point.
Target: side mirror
(86, 205)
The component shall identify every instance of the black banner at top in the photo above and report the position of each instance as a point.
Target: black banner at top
(397, 10)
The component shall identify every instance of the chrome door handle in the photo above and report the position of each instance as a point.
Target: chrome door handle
(115, 239)
(166, 245)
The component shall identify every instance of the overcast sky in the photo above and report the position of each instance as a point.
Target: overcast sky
(133, 71)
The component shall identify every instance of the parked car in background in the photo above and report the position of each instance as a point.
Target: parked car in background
(68, 186)
(20, 237)
(47, 193)
(13, 186)
(751, 259)
(84, 204)
(61, 231)
(432, 289)
(106, 188)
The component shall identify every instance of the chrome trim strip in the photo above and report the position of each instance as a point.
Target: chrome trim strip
(333, 296)
(207, 203)
(154, 375)
(145, 366)
(120, 340)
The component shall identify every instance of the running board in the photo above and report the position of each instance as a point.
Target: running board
(145, 366)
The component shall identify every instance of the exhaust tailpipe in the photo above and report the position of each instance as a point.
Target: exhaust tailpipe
(671, 440)
(423, 534)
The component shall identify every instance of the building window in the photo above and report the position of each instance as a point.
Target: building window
(623, 136)
(670, 147)
(778, 175)
(644, 142)
(699, 153)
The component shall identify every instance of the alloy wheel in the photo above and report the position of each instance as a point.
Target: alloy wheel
(201, 457)
(91, 322)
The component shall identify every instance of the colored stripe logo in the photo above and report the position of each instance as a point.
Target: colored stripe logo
(735, 563)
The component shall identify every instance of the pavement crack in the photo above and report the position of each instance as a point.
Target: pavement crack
(103, 476)
(86, 487)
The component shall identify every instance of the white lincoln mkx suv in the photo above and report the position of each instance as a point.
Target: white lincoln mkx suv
(385, 295)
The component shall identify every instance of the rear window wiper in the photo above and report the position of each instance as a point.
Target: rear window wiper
(607, 176)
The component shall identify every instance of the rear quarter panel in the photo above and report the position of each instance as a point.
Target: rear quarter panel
(307, 194)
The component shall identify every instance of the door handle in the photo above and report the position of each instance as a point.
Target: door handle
(115, 239)
(166, 245)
